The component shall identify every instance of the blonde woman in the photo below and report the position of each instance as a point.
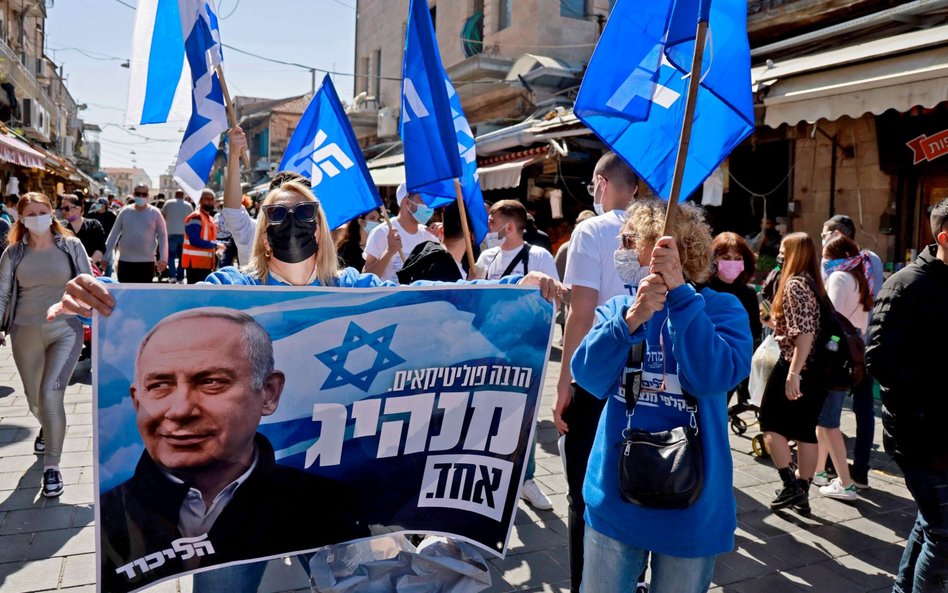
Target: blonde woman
(41, 258)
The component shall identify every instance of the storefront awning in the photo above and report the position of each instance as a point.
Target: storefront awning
(898, 73)
(504, 175)
(388, 176)
(20, 153)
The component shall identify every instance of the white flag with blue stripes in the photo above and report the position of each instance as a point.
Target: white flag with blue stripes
(175, 48)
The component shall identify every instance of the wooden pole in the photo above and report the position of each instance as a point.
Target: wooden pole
(231, 114)
(391, 229)
(693, 83)
(462, 210)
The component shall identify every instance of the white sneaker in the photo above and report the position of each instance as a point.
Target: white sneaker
(835, 490)
(532, 494)
(821, 478)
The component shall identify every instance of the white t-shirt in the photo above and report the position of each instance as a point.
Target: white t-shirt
(843, 292)
(592, 248)
(377, 243)
(495, 260)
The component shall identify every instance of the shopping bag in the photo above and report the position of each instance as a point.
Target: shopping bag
(762, 364)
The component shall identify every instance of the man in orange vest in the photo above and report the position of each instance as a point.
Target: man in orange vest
(199, 256)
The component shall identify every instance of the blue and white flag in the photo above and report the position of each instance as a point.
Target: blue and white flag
(439, 143)
(634, 91)
(175, 48)
(324, 149)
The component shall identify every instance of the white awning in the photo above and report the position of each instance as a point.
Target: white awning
(861, 79)
(503, 175)
(391, 176)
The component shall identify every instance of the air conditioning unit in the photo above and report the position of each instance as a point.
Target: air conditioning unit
(41, 68)
(388, 123)
(35, 119)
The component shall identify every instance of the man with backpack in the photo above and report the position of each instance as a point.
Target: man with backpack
(906, 356)
(507, 254)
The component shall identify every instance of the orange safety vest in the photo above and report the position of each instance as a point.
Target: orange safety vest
(202, 258)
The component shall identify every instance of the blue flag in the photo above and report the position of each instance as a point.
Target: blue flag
(324, 149)
(634, 90)
(175, 48)
(439, 143)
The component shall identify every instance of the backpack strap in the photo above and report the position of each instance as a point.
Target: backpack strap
(522, 256)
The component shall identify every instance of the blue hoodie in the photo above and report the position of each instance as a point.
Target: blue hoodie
(706, 347)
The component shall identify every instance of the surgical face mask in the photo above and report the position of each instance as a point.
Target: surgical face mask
(628, 267)
(38, 225)
(292, 241)
(493, 240)
(141, 202)
(423, 213)
(780, 260)
(370, 225)
(730, 269)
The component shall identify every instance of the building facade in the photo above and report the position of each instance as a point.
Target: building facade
(125, 179)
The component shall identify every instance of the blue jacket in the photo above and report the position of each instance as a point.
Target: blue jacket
(705, 346)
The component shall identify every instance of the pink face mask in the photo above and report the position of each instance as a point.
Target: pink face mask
(730, 269)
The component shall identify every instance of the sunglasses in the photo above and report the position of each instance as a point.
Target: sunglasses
(628, 240)
(302, 211)
(140, 194)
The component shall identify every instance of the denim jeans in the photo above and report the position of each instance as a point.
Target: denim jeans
(175, 246)
(613, 567)
(924, 565)
(241, 578)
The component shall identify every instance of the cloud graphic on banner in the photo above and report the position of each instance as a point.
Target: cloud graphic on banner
(356, 338)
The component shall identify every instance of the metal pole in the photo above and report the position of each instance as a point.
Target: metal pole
(693, 83)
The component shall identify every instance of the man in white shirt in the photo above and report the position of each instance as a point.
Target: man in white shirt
(591, 274)
(507, 252)
(384, 250)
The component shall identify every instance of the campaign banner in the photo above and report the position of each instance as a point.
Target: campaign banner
(235, 424)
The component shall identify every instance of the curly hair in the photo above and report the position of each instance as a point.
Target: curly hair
(645, 220)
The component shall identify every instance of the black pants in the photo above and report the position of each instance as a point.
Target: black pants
(196, 275)
(136, 272)
(582, 417)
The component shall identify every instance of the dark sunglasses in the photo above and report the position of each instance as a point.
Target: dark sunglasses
(628, 240)
(140, 194)
(302, 211)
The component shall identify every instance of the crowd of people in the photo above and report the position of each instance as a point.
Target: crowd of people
(658, 335)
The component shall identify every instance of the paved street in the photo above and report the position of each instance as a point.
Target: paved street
(49, 544)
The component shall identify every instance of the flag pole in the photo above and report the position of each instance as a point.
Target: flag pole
(694, 82)
(391, 229)
(462, 210)
(231, 114)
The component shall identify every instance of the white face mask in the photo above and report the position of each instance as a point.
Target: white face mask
(38, 225)
(494, 240)
(628, 267)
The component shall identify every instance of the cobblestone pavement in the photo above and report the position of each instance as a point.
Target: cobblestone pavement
(49, 544)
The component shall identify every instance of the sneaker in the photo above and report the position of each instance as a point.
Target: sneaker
(52, 483)
(641, 588)
(835, 490)
(39, 445)
(532, 494)
(860, 479)
(821, 478)
(789, 495)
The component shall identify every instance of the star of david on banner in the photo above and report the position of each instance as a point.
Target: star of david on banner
(356, 337)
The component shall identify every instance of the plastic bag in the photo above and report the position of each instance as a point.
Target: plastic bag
(391, 563)
(762, 364)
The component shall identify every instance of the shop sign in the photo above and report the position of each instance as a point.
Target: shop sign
(929, 148)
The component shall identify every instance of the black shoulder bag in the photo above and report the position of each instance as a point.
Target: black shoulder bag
(661, 470)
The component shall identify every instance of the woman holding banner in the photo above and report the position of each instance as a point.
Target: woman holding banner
(664, 360)
(291, 246)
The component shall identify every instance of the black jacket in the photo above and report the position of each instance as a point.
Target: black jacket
(277, 510)
(906, 356)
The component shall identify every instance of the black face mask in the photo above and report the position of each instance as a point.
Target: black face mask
(208, 208)
(292, 241)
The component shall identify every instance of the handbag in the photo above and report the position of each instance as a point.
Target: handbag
(762, 366)
(661, 470)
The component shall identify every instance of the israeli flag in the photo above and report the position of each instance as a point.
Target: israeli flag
(324, 149)
(439, 143)
(175, 47)
(633, 92)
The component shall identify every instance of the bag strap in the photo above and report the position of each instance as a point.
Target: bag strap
(522, 256)
(633, 380)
